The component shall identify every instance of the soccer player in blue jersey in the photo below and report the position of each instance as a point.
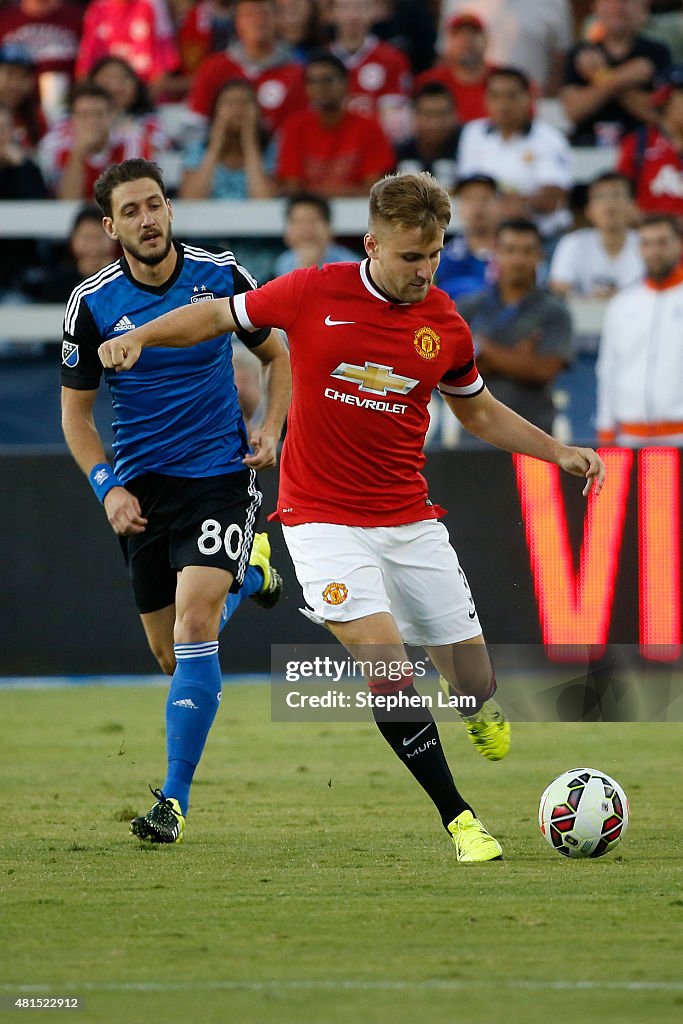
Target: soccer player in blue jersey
(182, 494)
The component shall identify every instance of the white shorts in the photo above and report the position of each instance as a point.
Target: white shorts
(411, 571)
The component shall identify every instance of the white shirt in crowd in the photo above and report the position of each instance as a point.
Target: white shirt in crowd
(522, 163)
(640, 366)
(582, 262)
(524, 33)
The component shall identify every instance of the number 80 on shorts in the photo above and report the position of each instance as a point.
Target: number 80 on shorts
(210, 539)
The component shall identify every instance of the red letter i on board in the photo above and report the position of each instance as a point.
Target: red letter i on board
(659, 555)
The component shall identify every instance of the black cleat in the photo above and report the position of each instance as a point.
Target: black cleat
(163, 823)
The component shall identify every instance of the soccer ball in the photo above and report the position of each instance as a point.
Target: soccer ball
(583, 813)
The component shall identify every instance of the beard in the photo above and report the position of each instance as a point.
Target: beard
(154, 259)
(660, 271)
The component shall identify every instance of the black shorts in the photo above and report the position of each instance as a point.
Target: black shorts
(210, 521)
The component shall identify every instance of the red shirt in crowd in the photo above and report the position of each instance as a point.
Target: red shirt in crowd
(58, 144)
(469, 99)
(139, 31)
(331, 160)
(51, 38)
(364, 369)
(279, 89)
(655, 167)
(376, 70)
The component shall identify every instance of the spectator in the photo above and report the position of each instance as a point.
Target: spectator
(666, 25)
(466, 265)
(299, 26)
(652, 158)
(137, 125)
(50, 30)
(462, 67)
(308, 234)
(640, 359)
(90, 249)
(79, 147)
(608, 81)
(522, 333)
(434, 144)
(329, 149)
(234, 162)
(531, 34)
(207, 27)
(379, 78)
(18, 92)
(140, 31)
(261, 58)
(20, 178)
(529, 159)
(410, 25)
(600, 260)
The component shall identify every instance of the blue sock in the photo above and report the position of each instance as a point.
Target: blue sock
(191, 707)
(253, 581)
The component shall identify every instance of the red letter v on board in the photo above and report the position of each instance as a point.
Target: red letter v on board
(574, 607)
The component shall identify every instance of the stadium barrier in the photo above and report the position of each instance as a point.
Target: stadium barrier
(541, 571)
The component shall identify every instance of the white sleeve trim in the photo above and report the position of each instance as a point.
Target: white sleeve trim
(239, 308)
(464, 390)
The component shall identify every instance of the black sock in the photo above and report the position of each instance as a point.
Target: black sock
(422, 755)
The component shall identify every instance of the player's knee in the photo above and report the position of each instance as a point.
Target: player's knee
(196, 623)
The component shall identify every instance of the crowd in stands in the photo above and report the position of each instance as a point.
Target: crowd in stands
(315, 100)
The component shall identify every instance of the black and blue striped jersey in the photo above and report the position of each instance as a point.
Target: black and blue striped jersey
(176, 412)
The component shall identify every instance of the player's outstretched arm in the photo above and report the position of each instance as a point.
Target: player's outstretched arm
(187, 325)
(264, 439)
(486, 417)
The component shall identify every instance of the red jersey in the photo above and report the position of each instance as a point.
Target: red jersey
(655, 167)
(279, 89)
(140, 31)
(51, 38)
(57, 145)
(195, 36)
(469, 99)
(376, 70)
(364, 368)
(328, 160)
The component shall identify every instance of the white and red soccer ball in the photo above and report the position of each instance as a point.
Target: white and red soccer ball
(583, 813)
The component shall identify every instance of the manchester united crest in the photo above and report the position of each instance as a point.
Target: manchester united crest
(335, 593)
(427, 343)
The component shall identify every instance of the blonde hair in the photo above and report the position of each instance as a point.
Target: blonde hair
(410, 200)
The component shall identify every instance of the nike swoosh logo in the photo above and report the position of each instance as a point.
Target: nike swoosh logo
(329, 322)
(406, 743)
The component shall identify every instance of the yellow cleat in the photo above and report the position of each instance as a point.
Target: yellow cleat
(472, 842)
(270, 592)
(489, 729)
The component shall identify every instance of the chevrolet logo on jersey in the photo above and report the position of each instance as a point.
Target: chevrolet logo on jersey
(375, 378)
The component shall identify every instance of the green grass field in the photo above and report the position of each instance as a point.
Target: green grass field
(316, 884)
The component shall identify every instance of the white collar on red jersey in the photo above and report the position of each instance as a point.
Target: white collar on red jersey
(375, 289)
(364, 268)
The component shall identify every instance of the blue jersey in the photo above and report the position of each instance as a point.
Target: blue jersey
(176, 412)
(461, 272)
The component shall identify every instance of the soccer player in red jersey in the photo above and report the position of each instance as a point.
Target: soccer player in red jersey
(369, 342)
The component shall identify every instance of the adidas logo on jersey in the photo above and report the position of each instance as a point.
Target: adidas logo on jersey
(124, 324)
(187, 702)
